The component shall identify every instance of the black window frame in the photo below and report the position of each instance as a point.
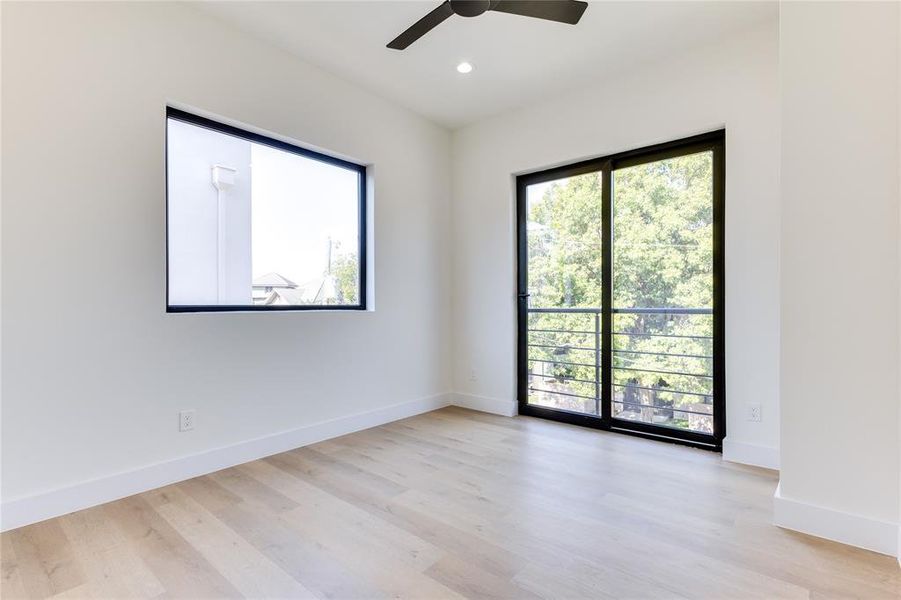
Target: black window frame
(257, 138)
(715, 142)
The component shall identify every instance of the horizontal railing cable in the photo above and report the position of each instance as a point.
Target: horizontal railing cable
(672, 408)
(562, 378)
(626, 311)
(663, 335)
(561, 347)
(615, 351)
(659, 390)
(661, 371)
(533, 389)
(559, 362)
(560, 331)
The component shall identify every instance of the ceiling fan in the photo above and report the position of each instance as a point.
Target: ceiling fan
(562, 11)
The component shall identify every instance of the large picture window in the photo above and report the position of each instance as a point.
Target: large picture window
(258, 224)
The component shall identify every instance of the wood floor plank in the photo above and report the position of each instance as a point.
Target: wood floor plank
(112, 567)
(11, 585)
(472, 581)
(448, 504)
(248, 489)
(46, 563)
(209, 493)
(396, 572)
(245, 567)
(372, 532)
(177, 564)
(302, 558)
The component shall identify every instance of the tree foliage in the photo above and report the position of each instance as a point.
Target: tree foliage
(346, 271)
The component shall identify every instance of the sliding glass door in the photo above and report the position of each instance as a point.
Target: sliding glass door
(620, 292)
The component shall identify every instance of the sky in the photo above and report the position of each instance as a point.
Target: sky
(297, 204)
(536, 191)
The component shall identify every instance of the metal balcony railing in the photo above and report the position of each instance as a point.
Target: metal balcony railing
(661, 363)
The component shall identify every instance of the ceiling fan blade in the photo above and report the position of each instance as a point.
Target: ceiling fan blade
(562, 11)
(422, 27)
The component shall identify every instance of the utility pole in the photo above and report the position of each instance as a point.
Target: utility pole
(329, 272)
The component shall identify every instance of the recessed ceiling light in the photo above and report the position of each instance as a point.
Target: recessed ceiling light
(464, 67)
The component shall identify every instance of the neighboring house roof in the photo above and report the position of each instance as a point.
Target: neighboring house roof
(285, 297)
(328, 290)
(316, 291)
(273, 280)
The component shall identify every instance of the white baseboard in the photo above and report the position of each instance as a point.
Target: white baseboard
(854, 530)
(751, 454)
(31, 509)
(506, 408)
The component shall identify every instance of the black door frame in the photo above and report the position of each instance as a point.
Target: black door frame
(715, 142)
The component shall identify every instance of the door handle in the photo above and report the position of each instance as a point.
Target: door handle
(524, 295)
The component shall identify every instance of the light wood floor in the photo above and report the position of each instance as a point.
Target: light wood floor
(449, 504)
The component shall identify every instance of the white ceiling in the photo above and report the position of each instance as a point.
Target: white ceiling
(517, 60)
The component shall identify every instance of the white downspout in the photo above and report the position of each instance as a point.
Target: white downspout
(223, 179)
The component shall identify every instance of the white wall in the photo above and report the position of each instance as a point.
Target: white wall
(732, 84)
(194, 217)
(95, 371)
(840, 224)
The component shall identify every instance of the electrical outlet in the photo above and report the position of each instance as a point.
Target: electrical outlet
(754, 412)
(186, 420)
(472, 375)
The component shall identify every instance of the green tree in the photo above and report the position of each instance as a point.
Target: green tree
(346, 271)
